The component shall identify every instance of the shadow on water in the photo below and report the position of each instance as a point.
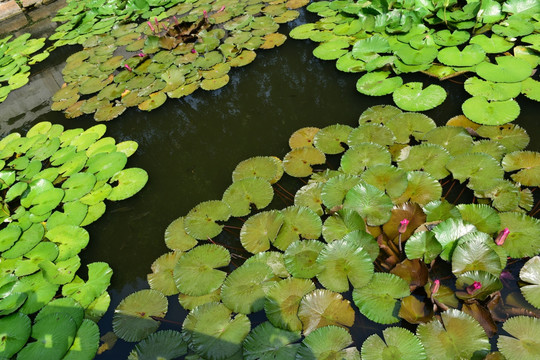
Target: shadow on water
(190, 146)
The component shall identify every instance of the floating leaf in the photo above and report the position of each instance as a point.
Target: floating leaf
(398, 342)
(201, 221)
(524, 230)
(298, 222)
(378, 84)
(370, 202)
(479, 110)
(492, 90)
(329, 139)
(530, 273)
(328, 342)
(321, 308)
(527, 162)
(267, 342)
(298, 161)
(523, 343)
(165, 344)
(241, 194)
(508, 69)
(412, 97)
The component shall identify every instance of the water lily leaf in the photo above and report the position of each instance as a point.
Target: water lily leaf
(195, 273)
(375, 133)
(217, 71)
(491, 90)
(447, 38)
(38, 292)
(331, 50)
(513, 26)
(213, 332)
(492, 45)
(377, 83)
(191, 302)
(341, 223)
(523, 342)
(523, 232)
(430, 158)
(201, 221)
(528, 162)
(63, 305)
(342, 262)
(260, 230)
(530, 273)
(18, 80)
(85, 293)
(411, 97)
(301, 258)
(404, 125)
(421, 188)
(459, 335)
(9, 236)
(265, 167)
(58, 329)
(397, 341)
(214, 84)
(132, 320)
(412, 56)
(161, 278)
(481, 111)
(298, 161)
(508, 69)
(415, 311)
(364, 240)
(60, 272)
(334, 191)
(380, 303)
(531, 89)
(245, 288)
(267, 342)
(347, 63)
(329, 139)
(323, 307)
(329, 341)
(298, 222)
(26, 242)
(370, 202)
(242, 193)
(484, 217)
(470, 55)
(488, 283)
(244, 58)
(166, 344)
(511, 136)
(273, 40)
(16, 329)
(130, 181)
(475, 254)
(379, 114)
(310, 196)
(303, 137)
(273, 259)
(363, 156)
(448, 232)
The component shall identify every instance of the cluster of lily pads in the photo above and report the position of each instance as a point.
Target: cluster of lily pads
(194, 45)
(377, 232)
(15, 60)
(52, 184)
(496, 43)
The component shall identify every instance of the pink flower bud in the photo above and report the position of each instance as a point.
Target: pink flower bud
(151, 27)
(141, 54)
(128, 67)
(222, 8)
(471, 289)
(157, 23)
(502, 236)
(193, 51)
(175, 20)
(403, 226)
(205, 14)
(435, 286)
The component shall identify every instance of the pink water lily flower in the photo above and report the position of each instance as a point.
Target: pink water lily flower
(205, 14)
(193, 51)
(403, 225)
(502, 236)
(435, 286)
(141, 54)
(471, 289)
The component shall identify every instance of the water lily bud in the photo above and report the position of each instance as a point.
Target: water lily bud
(205, 14)
(141, 54)
(157, 23)
(499, 240)
(128, 67)
(403, 226)
(151, 27)
(175, 20)
(193, 51)
(471, 289)
(435, 286)
(222, 8)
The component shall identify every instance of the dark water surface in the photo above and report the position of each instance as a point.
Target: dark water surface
(190, 146)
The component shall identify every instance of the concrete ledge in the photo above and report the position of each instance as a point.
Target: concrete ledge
(9, 9)
(28, 3)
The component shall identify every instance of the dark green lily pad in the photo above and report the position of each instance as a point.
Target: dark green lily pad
(398, 342)
(412, 97)
(508, 69)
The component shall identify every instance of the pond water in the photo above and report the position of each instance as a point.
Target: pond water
(190, 146)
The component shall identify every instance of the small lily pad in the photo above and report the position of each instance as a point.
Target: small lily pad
(412, 97)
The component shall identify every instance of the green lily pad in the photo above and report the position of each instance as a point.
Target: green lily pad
(491, 90)
(371, 203)
(508, 69)
(523, 342)
(328, 342)
(375, 133)
(242, 193)
(342, 223)
(466, 285)
(530, 273)
(267, 342)
(379, 114)
(201, 221)
(412, 97)
(329, 139)
(323, 307)
(298, 162)
(492, 45)
(301, 258)
(405, 125)
(310, 196)
(379, 300)
(482, 170)
(481, 111)
(528, 164)
(448, 232)
(475, 254)
(265, 167)
(378, 84)
(244, 289)
(15, 332)
(282, 302)
(195, 273)
(164, 344)
(523, 232)
(176, 237)
(130, 181)
(363, 156)
(398, 342)
(85, 293)
(447, 38)
(423, 245)
(470, 55)
(331, 50)
(298, 222)
(161, 278)
(342, 262)
(132, 320)
(459, 335)
(260, 230)
(484, 217)
(427, 157)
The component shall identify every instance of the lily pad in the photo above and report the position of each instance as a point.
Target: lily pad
(508, 69)
(479, 110)
(321, 308)
(377, 83)
(267, 342)
(371, 203)
(398, 342)
(412, 97)
(260, 230)
(523, 342)
(201, 221)
(330, 342)
(241, 194)
(298, 162)
(530, 273)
